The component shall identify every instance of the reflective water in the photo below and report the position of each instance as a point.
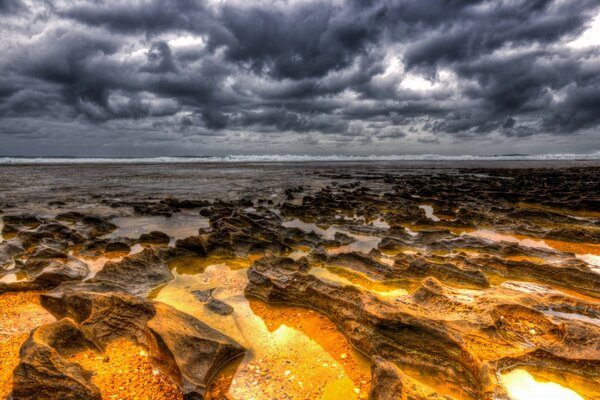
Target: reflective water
(573, 316)
(344, 277)
(520, 385)
(292, 350)
(362, 243)
(502, 237)
(429, 212)
(178, 226)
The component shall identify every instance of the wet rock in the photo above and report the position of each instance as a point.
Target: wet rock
(203, 295)
(343, 239)
(421, 268)
(389, 383)
(98, 246)
(91, 224)
(359, 262)
(572, 274)
(218, 307)
(43, 372)
(8, 251)
(185, 204)
(102, 315)
(153, 209)
(139, 273)
(372, 324)
(154, 237)
(198, 351)
(574, 235)
(50, 234)
(15, 223)
(45, 253)
(44, 274)
(185, 348)
(194, 244)
(212, 304)
(117, 247)
(50, 273)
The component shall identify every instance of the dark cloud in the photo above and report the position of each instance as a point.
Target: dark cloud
(331, 72)
(11, 6)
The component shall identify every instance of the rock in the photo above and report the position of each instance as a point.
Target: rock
(389, 383)
(55, 272)
(203, 295)
(360, 262)
(91, 224)
(343, 239)
(198, 350)
(43, 372)
(187, 349)
(574, 235)
(194, 244)
(212, 304)
(103, 316)
(154, 237)
(392, 330)
(8, 251)
(421, 268)
(20, 222)
(44, 274)
(218, 307)
(117, 247)
(185, 204)
(139, 273)
(97, 246)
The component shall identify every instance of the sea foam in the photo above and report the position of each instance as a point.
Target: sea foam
(293, 158)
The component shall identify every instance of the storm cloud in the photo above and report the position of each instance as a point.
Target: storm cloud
(194, 77)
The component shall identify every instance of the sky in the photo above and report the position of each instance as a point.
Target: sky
(215, 77)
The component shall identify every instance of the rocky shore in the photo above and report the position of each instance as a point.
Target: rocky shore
(384, 284)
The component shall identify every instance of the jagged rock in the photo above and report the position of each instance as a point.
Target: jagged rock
(359, 262)
(372, 324)
(185, 204)
(186, 348)
(104, 315)
(44, 374)
(194, 244)
(343, 239)
(421, 268)
(139, 273)
(198, 350)
(439, 330)
(210, 303)
(91, 224)
(154, 237)
(389, 383)
(8, 251)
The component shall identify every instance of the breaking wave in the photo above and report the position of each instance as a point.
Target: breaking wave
(292, 158)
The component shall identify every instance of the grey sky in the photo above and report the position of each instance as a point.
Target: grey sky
(191, 77)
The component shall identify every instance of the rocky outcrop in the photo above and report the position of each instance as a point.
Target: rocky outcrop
(197, 350)
(91, 315)
(449, 273)
(154, 237)
(372, 324)
(451, 333)
(138, 273)
(389, 383)
(43, 371)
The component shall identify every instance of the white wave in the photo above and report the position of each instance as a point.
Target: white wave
(292, 158)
